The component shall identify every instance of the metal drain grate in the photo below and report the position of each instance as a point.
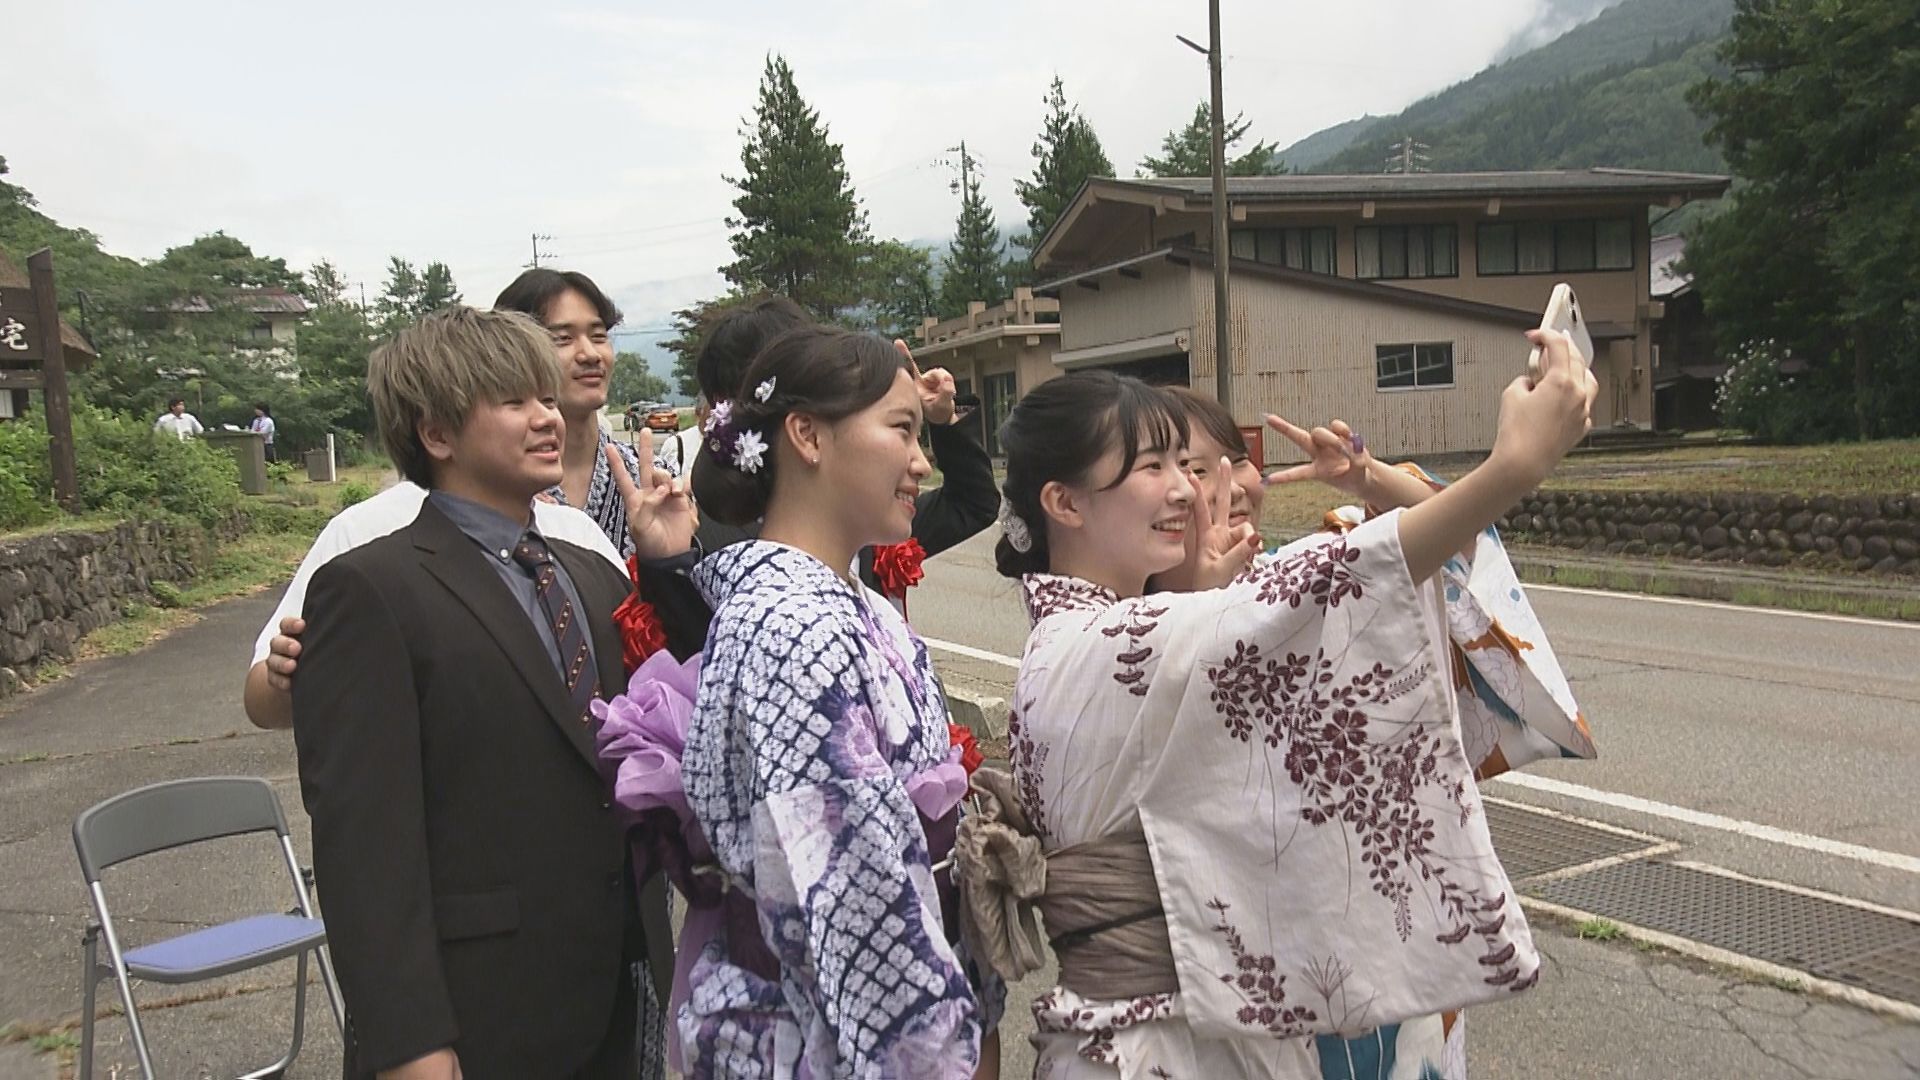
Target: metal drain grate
(1530, 844)
(1868, 949)
(1891, 972)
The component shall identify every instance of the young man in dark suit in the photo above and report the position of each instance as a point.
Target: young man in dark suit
(472, 869)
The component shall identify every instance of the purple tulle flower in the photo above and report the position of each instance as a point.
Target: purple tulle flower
(643, 732)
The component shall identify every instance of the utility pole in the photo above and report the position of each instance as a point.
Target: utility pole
(1408, 156)
(1222, 341)
(537, 237)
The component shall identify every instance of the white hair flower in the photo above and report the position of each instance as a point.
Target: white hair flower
(764, 391)
(718, 416)
(749, 452)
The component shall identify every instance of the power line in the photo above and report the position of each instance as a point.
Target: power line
(537, 237)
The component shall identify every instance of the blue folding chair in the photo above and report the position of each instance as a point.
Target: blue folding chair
(170, 815)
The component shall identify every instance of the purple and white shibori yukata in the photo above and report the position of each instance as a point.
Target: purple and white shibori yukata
(819, 741)
(1290, 746)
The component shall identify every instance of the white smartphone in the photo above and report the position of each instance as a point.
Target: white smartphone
(1563, 314)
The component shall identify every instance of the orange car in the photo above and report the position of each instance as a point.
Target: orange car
(664, 419)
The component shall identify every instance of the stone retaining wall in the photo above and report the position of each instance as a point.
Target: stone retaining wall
(57, 587)
(1857, 533)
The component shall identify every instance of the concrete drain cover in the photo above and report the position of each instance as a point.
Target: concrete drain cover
(1530, 843)
(1872, 950)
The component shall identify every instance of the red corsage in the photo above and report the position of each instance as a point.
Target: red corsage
(641, 633)
(970, 756)
(898, 567)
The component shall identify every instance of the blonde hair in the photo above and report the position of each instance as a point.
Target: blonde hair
(439, 368)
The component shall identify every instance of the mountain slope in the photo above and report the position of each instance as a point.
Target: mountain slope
(1631, 34)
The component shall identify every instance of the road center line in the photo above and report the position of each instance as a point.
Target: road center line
(1873, 856)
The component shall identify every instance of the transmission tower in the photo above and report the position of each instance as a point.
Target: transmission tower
(1409, 156)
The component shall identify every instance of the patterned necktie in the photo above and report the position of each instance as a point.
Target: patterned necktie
(576, 660)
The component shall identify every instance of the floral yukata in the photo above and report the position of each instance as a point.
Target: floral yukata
(1291, 747)
(819, 742)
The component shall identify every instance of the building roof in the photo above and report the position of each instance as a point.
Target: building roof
(77, 350)
(1386, 294)
(1386, 186)
(1189, 193)
(1663, 267)
(266, 300)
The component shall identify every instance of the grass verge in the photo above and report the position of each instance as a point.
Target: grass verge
(1675, 580)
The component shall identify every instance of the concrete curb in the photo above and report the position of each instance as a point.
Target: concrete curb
(979, 709)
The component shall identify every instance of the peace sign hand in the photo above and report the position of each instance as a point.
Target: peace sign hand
(1339, 457)
(661, 519)
(1216, 551)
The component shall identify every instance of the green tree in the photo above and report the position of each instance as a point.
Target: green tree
(437, 289)
(1814, 257)
(972, 268)
(1065, 155)
(1188, 151)
(690, 326)
(899, 288)
(633, 381)
(799, 229)
(400, 300)
(225, 260)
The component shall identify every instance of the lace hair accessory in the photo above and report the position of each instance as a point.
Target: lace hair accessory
(1014, 528)
(764, 391)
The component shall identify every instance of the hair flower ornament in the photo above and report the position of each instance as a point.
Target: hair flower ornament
(764, 391)
(1014, 528)
(749, 452)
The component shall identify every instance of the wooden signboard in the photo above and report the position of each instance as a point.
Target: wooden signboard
(21, 342)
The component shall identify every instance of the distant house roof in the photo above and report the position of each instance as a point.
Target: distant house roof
(77, 350)
(1663, 268)
(266, 300)
(1196, 192)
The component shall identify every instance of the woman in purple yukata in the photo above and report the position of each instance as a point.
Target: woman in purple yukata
(818, 762)
(1264, 854)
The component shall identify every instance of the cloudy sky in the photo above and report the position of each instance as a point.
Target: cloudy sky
(353, 131)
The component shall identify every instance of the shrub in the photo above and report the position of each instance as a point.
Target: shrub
(25, 475)
(353, 491)
(1809, 406)
(126, 467)
(166, 594)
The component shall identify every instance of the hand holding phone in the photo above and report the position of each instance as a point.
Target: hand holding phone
(1563, 314)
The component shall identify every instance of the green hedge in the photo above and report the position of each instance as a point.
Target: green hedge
(123, 466)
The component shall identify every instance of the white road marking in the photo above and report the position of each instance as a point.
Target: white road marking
(973, 653)
(1887, 624)
(1892, 860)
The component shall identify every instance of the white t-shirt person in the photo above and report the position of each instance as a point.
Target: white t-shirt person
(182, 424)
(394, 509)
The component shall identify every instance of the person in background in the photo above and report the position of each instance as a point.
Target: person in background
(263, 426)
(177, 421)
(580, 319)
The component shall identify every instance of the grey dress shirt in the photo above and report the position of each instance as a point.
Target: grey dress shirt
(497, 535)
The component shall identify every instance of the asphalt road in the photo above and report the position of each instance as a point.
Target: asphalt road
(1803, 725)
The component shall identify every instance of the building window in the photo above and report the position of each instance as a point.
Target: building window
(1296, 249)
(260, 332)
(997, 402)
(1382, 252)
(1543, 247)
(1413, 367)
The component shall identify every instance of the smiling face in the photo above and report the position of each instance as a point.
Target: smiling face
(1132, 526)
(1204, 460)
(585, 349)
(506, 452)
(871, 466)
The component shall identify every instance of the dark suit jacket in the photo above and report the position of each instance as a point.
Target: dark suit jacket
(472, 870)
(965, 503)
